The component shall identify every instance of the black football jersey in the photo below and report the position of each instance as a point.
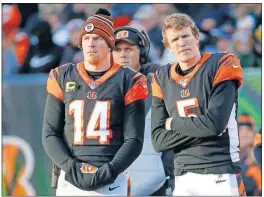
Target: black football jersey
(94, 109)
(189, 96)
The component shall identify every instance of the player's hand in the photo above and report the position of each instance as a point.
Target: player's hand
(168, 124)
(82, 175)
(105, 175)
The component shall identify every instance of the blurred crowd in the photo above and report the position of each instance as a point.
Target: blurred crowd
(39, 37)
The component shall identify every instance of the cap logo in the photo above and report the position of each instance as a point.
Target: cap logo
(89, 27)
(122, 34)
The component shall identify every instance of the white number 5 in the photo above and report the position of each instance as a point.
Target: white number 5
(184, 105)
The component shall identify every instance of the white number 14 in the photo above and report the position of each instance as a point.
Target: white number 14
(98, 126)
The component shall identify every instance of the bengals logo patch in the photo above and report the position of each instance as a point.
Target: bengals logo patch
(185, 93)
(122, 34)
(87, 168)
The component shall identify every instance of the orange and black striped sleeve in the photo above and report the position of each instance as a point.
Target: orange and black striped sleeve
(156, 90)
(53, 86)
(229, 68)
(138, 91)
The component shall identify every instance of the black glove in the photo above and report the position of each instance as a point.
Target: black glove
(105, 175)
(82, 175)
(88, 177)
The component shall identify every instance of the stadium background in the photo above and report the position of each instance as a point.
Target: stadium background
(232, 27)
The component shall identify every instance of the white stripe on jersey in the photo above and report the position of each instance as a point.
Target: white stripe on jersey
(233, 135)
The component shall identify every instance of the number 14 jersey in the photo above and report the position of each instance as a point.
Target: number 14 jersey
(95, 109)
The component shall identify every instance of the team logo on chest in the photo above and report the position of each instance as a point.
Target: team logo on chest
(185, 93)
(91, 95)
(92, 84)
(183, 82)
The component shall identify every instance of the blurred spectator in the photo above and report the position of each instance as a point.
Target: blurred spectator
(50, 13)
(221, 41)
(43, 55)
(26, 10)
(250, 170)
(206, 15)
(73, 11)
(124, 9)
(71, 52)
(15, 42)
(243, 44)
(246, 16)
(146, 16)
(257, 47)
(121, 21)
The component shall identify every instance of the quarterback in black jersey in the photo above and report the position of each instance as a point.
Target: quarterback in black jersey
(94, 117)
(194, 113)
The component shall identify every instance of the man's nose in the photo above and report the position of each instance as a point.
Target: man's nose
(91, 42)
(182, 42)
(123, 54)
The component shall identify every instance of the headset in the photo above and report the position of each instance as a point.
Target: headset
(144, 42)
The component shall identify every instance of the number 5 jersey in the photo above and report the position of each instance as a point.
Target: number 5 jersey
(206, 140)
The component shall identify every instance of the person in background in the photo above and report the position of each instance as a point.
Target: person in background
(15, 42)
(132, 50)
(251, 172)
(43, 54)
(258, 148)
(71, 52)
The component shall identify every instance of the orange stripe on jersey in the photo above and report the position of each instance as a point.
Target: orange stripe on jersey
(156, 90)
(230, 69)
(53, 86)
(187, 78)
(138, 91)
(255, 172)
(84, 75)
(258, 140)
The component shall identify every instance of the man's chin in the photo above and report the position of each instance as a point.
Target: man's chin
(94, 62)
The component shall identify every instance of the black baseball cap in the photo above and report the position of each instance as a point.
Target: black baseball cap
(127, 36)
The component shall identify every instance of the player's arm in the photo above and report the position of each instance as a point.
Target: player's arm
(163, 139)
(134, 125)
(222, 99)
(53, 124)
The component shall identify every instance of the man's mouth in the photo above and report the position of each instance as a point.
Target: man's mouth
(184, 50)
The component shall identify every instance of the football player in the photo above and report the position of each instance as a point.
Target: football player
(94, 117)
(132, 50)
(194, 113)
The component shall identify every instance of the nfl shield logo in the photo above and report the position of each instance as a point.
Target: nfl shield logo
(92, 84)
(183, 82)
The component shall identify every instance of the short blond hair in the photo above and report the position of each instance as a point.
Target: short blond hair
(178, 21)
